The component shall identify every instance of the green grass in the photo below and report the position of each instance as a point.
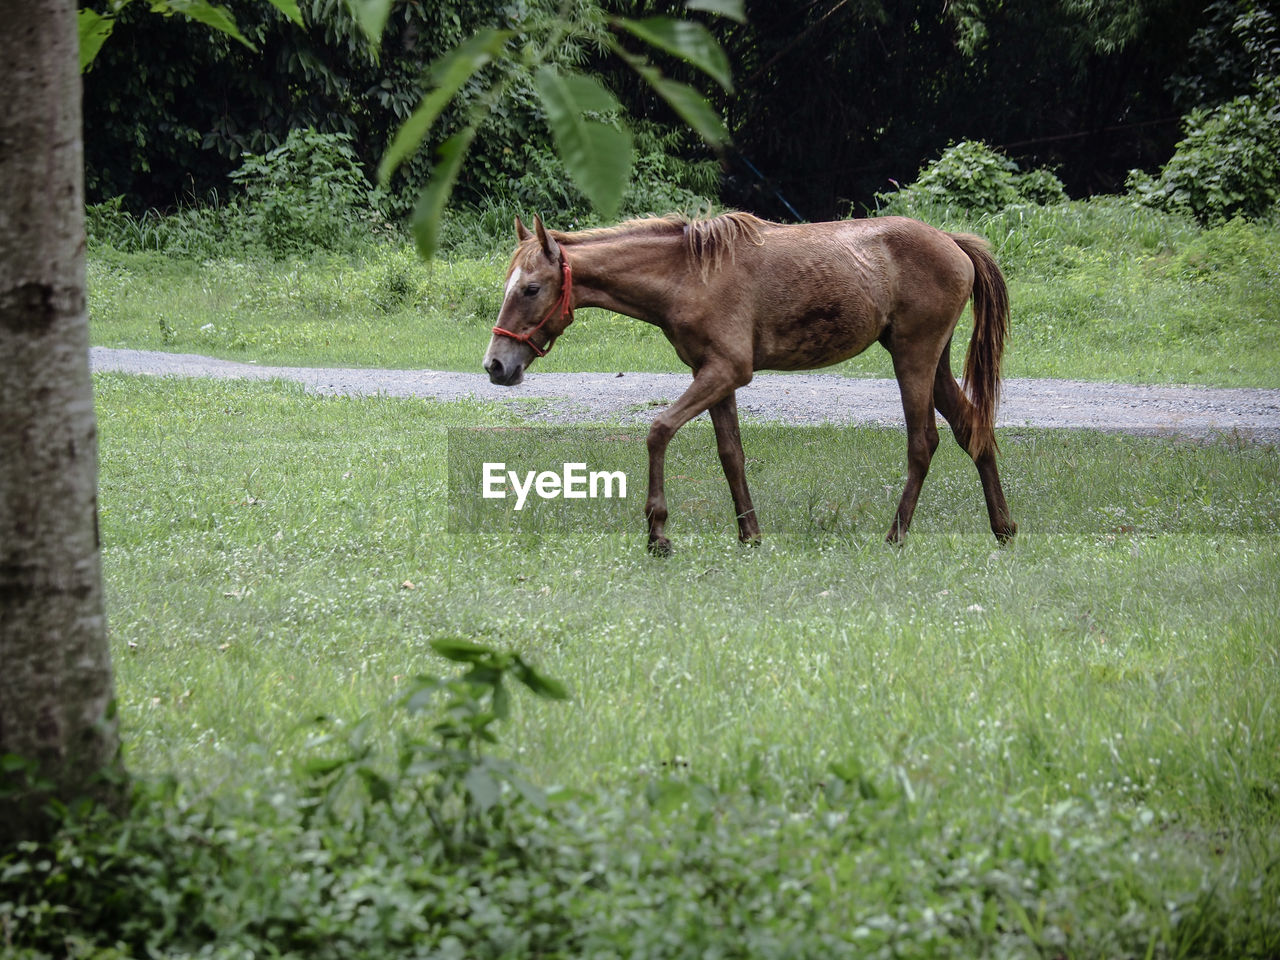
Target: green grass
(1067, 746)
(258, 543)
(1100, 291)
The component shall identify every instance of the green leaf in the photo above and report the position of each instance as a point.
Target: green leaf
(542, 686)
(424, 693)
(210, 14)
(529, 792)
(687, 40)
(94, 30)
(289, 8)
(667, 795)
(448, 73)
(371, 17)
(321, 766)
(453, 67)
(379, 787)
(596, 154)
(683, 99)
(483, 788)
(725, 8)
(12, 762)
(693, 109)
(501, 701)
(463, 651)
(431, 202)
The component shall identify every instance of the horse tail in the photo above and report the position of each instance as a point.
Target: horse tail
(986, 346)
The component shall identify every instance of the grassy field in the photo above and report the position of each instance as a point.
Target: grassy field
(1066, 747)
(1100, 291)
(819, 747)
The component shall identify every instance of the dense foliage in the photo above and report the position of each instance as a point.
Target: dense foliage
(976, 178)
(171, 108)
(1228, 164)
(833, 100)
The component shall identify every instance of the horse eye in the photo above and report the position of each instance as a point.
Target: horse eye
(531, 289)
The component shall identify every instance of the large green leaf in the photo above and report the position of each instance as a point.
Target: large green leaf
(430, 206)
(686, 101)
(289, 8)
(725, 8)
(94, 30)
(448, 73)
(687, 40)
(210, 14)
(371, 16)
(596, 153)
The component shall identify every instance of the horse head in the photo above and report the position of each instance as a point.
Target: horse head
(536, 308)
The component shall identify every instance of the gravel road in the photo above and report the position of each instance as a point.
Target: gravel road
(792, 398)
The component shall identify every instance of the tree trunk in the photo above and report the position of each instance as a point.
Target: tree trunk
(56, 700)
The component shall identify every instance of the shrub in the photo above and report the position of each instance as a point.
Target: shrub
(197, 230)
(977, 178)
(1228, 163)
(307, 193)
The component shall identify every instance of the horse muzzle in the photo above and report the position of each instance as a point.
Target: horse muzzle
(504, 375)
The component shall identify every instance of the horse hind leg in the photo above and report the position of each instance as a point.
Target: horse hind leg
(954, 405)
(922, 439)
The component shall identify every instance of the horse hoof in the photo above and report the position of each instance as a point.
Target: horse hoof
(751, 540)
(1004, 536)
(660, 547)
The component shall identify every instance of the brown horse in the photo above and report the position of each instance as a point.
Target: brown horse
(735, 294)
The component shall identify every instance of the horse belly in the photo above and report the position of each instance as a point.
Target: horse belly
(814, 339)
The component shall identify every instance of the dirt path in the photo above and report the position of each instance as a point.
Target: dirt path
(792, 398)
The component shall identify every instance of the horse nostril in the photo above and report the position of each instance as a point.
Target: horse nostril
(494, 367)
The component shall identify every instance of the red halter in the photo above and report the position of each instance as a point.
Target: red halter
(564, 305)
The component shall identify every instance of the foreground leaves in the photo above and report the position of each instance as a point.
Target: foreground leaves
(434, 196)
(95, 28)
(596, 152)
(448, 73)
(587, 124)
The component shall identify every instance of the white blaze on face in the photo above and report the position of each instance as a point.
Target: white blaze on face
(513, 284)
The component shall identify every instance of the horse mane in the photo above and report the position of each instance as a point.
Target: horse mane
(707, 240)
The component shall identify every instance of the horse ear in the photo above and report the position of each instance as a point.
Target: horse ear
(522, 232)
(549, 245)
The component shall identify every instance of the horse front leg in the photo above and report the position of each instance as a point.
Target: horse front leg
(711, 384)
(724, 416)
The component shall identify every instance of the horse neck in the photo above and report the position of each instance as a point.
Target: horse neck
(632, 275)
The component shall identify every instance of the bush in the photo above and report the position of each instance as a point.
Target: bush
(199, 230)
(1228, 163)
(307, 193)
(977, 178)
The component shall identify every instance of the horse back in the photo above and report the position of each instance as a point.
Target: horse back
(824, 292)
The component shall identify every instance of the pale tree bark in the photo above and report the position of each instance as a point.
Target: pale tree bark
(56, 699)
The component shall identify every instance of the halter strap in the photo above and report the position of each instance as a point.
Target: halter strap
(564, 305)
